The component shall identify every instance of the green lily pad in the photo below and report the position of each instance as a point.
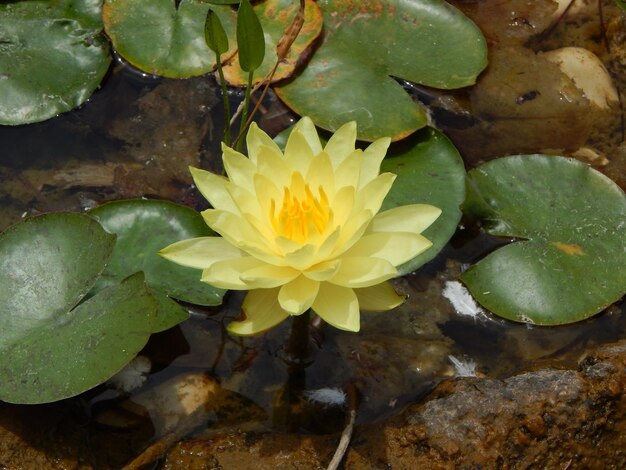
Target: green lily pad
(275, 16)
(143, 227)
(365, 44)
(569, 262)
(51, 348)
(160, 39)
(52, 57)
(430, 171)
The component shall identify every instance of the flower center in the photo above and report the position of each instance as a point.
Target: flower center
(301, 216)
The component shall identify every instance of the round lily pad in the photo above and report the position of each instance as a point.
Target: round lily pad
(367, 43)
(143, 227)
(430, 171)
(52, 57)
(569, 261)
(275, 16)
(51, 348)
(160, 38)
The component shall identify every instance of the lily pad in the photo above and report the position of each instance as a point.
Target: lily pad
(157, 37)
(430, 171)
(569, 262)
(51, 348)
(52, 57)
(365, 44)
(143, 227)
(275, 16)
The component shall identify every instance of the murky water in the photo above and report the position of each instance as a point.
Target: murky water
(135, 138)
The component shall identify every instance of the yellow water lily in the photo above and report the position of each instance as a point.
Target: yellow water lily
(301, 230)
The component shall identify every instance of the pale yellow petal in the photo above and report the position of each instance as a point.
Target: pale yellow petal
(266, 192)
(343, 204)
(213, 188)
(372, 158)
(297, 296)
(298, 153)
(267, 275)
(338, 306)
(323, 271)
(413, 218)
(353, 229)
(273, 166)
(395, 247)
(328, 246)
(363, 272)
(372, 195)
(378, 298)
(341, 144)
(227, 274)
(321, 174)
(302, 258)
(239, 168)
(246, 202)
(348, 171)
(307, 128)
(262, 312)
(200, 253)
(255, 139)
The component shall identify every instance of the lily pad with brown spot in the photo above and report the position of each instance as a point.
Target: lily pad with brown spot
(275, 16)
(569, 260)
(365, 44)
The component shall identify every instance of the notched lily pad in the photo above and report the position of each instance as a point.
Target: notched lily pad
(159, 38)
(569, 262)
(143, 227)
(430, 171)
(365, 44)
(52, 345)
(275, 16)
(52, 57)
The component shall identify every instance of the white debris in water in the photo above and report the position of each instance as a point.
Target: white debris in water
(327, 396)
(132, 376)
(463, 368)
(462, 300)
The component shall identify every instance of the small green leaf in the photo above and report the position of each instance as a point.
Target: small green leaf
(53, 55)
(250, 38)
(143, 227)
(214, 34)
(430, 171)
(569, 262)
(621, 4)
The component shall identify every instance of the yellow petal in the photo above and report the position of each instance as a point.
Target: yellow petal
(353, 229)
(227, 274)
(266, 191)
(321, 174)
(262, 313)
(298, 153)
(395, 247)
(239, 168)
(255, 139)
(302, 258)
(273, 166)
(267, 276)
(378, 298)
(213, 188)
(341, 143)
(363, 272)
(347, 173)
(338, 306)
(297, 296)
(307, 128)
(200, 253)
(323, 271)
(413, 218)
(372, 195)
(372, 158)
(246, 202)
(343, 204)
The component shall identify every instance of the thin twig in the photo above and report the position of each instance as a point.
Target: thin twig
(346, 435)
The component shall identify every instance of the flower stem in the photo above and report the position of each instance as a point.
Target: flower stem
(244, 112)
(226, 104)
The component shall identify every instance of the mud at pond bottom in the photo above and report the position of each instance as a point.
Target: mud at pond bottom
(549, 418)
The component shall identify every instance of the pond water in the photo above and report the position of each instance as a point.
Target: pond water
(135, 138)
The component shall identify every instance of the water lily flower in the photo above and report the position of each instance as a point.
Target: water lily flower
(301, 230)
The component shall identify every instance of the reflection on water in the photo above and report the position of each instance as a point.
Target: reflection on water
(136, 138)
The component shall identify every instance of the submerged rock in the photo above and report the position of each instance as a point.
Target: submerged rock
(548, 418)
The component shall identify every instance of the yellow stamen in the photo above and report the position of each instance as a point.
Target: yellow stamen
(298, 218)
